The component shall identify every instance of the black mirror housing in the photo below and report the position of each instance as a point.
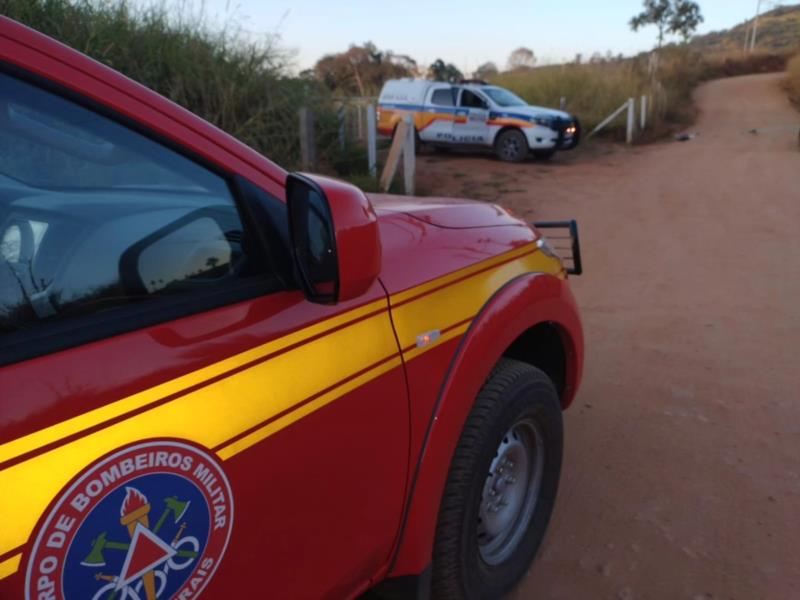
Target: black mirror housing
(313, 239)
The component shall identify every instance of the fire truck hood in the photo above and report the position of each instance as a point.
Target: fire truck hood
(448, 213)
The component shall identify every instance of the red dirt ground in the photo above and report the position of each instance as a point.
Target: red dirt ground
(682, 469)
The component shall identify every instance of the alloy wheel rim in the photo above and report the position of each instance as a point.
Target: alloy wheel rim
(510, 148)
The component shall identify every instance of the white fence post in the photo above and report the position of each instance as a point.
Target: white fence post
(409, 157)
(644, 112)
(631, 120)
(372, 140)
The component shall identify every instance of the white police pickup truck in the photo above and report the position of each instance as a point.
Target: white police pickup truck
(474, 113)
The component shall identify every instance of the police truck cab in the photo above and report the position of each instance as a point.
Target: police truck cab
(474, 113)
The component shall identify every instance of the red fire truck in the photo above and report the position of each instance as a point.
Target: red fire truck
(220, 378)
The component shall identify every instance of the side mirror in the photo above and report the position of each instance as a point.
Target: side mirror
(335, 240)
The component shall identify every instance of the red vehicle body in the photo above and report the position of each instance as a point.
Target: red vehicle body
(335, 424)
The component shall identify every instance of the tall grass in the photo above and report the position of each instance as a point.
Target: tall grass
(793, 80)
(594, 91)
(244, 86)
(240, 84)
(591, 91)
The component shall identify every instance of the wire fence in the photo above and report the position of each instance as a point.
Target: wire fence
(336, 139)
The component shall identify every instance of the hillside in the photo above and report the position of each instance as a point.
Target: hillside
(778, 31)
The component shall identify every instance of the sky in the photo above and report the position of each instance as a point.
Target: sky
(468, 32)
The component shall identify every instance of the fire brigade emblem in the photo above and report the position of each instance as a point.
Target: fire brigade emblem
(150, 522)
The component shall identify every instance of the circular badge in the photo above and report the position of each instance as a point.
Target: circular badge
(148, 522)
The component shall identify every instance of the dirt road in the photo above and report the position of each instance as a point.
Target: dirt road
(682, 468)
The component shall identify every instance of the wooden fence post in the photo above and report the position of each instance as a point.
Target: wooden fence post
(390, 168)
(372, 140)
(409, 156)
(631, 120)
(308, 151)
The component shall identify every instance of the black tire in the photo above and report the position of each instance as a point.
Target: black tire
(511, 146)
(543, 154)
(514, 393)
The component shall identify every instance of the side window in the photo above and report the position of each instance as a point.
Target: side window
(443, 97)
(97, 218)
(472, 100)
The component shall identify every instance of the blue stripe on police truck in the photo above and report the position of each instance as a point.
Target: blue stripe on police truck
(421, 108)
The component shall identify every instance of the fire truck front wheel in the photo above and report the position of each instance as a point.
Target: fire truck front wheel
(501, 486)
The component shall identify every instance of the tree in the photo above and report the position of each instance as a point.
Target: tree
(404, 61)
(670, 16)
(521, 58)
(442, 71)
(656, 12)
(687, 18)
(486, 70)
(362, 70)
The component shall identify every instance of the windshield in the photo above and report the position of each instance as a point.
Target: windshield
(503, 97)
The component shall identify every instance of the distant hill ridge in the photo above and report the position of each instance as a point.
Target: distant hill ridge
(778, 31)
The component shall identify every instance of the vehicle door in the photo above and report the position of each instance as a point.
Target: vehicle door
(471, 124)
(439, 114)
(147, 312)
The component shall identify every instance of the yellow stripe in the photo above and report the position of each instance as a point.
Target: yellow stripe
(224, 409)
(209, 416)
(442, 281)
(260, 434)
(461, 300)
(95, 417)
(507, 121)
(10, 566)
(112, 410)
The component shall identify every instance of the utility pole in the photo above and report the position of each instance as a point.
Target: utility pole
(755, 28)
(747, 37)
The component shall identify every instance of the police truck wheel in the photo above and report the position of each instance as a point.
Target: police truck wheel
(501, 486)
(511, 146)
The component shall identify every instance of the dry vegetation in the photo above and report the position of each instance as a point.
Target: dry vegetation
(778, 32)
(242, 86)
(593, 91)
(246, 88)
(793, 80)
